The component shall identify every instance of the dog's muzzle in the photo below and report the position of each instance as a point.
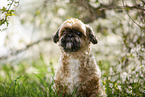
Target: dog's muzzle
(70, 43)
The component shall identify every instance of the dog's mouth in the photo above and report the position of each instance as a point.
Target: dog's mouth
(70, 44)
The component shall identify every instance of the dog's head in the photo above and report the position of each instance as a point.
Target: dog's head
(74, 35)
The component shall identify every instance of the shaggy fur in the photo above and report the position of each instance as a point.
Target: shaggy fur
(78, 70)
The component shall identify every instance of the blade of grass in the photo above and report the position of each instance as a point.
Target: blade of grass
(13, 83)
(43, 83)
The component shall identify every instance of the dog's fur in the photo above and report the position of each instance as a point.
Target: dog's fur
(78, 70)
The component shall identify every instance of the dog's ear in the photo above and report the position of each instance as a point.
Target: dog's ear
(91, 35)
(56, 37)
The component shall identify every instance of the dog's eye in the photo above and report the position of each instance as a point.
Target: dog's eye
(64, 32)
(79, 33)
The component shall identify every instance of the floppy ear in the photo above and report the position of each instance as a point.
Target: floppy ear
(56, 37)
(90, 35)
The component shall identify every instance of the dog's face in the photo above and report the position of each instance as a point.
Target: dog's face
(73, 35)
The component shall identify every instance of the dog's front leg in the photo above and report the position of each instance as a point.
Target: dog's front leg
(90, 88)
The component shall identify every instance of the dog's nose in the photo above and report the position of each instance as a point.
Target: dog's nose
(70, 35)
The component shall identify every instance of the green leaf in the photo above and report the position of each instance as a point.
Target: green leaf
(4, 9)
(96, 1)
(37, 12)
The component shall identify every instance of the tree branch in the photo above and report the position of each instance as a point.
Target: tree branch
(99, 12)
(26, 48)
(130, 16)
(109, 7)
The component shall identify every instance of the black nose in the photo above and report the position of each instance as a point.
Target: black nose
(70, 35)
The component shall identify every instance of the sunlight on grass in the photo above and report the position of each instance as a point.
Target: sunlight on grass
(17, 81)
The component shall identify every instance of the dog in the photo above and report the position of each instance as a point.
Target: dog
(78, 72)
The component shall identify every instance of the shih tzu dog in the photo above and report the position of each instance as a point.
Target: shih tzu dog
(78, 71)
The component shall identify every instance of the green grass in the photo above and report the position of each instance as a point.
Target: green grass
(35, 80)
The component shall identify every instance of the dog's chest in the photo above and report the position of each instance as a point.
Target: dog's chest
(72, 79)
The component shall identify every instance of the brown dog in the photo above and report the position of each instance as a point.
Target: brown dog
(78, 71)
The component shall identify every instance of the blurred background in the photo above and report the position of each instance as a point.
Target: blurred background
(27, 27)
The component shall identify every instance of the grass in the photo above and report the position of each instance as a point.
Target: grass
(35, 80)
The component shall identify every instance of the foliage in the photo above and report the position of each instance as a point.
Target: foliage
(7, 11)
